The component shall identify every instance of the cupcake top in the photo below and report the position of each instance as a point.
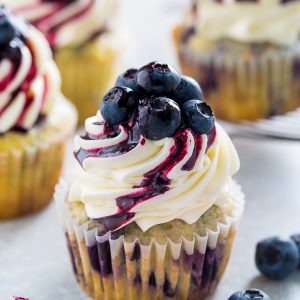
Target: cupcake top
(153, 153)
(249, 21)
(29, 80)
(66, 22)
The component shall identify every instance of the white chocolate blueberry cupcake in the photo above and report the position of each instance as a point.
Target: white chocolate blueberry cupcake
(151, 209)
(35, 119)
(245, 54)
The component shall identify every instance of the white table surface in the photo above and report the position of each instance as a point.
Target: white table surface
(34, 261)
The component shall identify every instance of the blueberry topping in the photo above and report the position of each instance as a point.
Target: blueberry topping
(118, 105)
(128, 79)
(277, 258)
(188, 89)
(7, 29)
(158, 118)
(296, 239)
(198, 116)
(252, 294)
(158, 79)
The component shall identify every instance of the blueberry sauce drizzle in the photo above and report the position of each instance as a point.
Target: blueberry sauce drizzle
(44, 23)
(156, 181)
(12, 51)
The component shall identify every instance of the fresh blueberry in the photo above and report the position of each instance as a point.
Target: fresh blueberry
(7, 30)
(198, 116)
(158, 79)
(188, 89)
(252, 294)
(277, 258)
(118, 104)
(296, 239)
(158, 118)
(128, 79)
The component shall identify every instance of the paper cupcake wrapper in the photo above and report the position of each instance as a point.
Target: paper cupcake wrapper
(108, 268)
(245, 81)
(88, 73)
(30, 171)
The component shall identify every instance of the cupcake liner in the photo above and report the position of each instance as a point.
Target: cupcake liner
(30, 166)
(244, 81)
(116, 268)
(88, 72)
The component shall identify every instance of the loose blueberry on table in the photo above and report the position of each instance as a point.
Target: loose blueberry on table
(296, 239)
(252, 294)
(277, 258)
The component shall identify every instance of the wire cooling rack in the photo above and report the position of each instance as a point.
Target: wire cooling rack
(282, 126)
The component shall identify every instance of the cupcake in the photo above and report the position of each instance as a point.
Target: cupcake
(151, 209)
(84, 45)
(35, 119)
(245, 54)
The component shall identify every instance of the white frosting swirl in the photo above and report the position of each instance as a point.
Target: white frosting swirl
(246, 21)
(65, 23)
(28, 89)
(191, 192)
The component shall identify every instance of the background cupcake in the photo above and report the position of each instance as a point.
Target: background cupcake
(85, 47)
(152, 209)
(35, 120)
(245, 54)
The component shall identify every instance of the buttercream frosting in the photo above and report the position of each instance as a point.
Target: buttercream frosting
(65, 22)
(29, 79)
(121, 178)
(264, 21)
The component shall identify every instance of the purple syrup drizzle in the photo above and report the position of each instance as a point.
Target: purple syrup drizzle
(156, 181)
(12, 52)
(44, 23)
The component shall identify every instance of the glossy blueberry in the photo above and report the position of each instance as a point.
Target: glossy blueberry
(158, 118)
(188, 89)
(118, 104)
(7, 30)
(296, 239)
(198, 116)
(128, 79)
(252, 294)
(277, 258)
(158, 79)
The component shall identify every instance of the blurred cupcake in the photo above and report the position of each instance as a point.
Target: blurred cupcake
(152, 210)
(35, 120)
(84, 45)
(245, 54)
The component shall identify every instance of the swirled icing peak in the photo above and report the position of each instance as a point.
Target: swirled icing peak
(29, 80)
(153, 152)
(65, 22)
(252, 21)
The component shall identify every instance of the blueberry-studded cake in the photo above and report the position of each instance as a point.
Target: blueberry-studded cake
(35, 119)
(84, 42)
(245, 54)
(151, 208)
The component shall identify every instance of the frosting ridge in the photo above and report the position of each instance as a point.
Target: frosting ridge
(29, 80)
(150, 182)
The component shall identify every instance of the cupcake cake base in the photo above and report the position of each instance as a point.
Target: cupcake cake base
(31, 162)
(87, 72)
(170, 261)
